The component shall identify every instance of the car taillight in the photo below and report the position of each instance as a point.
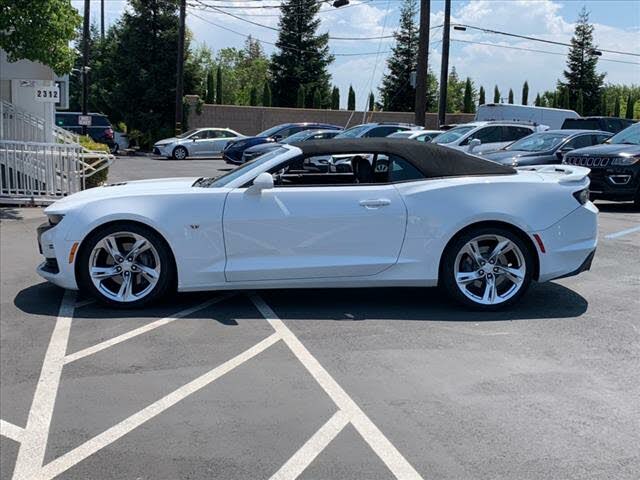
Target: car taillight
(582, 196)
(108, 133)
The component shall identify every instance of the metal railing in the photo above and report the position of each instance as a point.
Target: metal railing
(30, 170)
(16, 124)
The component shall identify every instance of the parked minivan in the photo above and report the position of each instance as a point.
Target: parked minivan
(606, 124)
(100, 130)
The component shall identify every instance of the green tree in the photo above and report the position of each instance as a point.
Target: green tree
(300, 97)
(469, 105)
(510, 96)
(266, 94)
(616, 107)
(538, 101)
(302, 56)
(580, 103)
(629, 110)
(372, 102)
(351, 99)
(210, 96)
(219, 99)
(335, 98)
(582, 61)
(396, 86)
(525, 93)
(496, 95)
(566, 98)
(455, 92)
(604, 110)
(253, 97)
(481, 95)
(40, 31)
(317, 99)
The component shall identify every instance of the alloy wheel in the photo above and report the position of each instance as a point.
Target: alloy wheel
(490, 269)
(124, 266)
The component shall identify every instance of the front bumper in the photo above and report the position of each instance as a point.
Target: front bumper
(614, 183)
(231, 158)
(569, 244)
(56, 267)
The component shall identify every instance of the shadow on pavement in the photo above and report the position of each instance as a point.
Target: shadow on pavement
(622, 207)
(548, 300)
(10, 213)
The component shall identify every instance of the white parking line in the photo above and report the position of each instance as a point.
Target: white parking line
(310, 450)
(36, 433)
(75, 456)
(139, 331)
(622, 233)
(392, 458)
(11, 431)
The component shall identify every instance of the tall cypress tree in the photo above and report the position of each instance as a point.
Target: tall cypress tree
(266, 94)
(604, 110)
(335, 98)
(211, 89)
(511, 96)
(467, 104)
(580, 103)
(496, 95)
(253, 96)
(538, 101)
(396, 84)
(481, 100)
(302, 56)
(566, 98)
(351, 99)
(300, 97)
(317, 99)
(525, 93)
(630, 104)
(581, 74)
(616, 107)
(372, 102)
(219, 85)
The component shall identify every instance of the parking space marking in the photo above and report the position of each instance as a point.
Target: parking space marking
(100, 441)
(310, 450)
(141, 330)
(11, 431)
(380, 444)
(622, 233)
(34, 439)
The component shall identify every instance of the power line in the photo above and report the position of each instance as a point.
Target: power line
(321, 12)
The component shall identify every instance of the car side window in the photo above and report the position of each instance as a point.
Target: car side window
(515, 133)
(402, 171)
(599, 138)
(579, 142)
(382, 131)
(486, 135)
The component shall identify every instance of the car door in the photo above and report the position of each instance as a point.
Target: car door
(312, 231)
(199, 145)
(218, 139)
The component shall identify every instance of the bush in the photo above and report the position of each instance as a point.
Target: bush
(100, 177)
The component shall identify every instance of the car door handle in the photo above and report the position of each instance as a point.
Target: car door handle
(375, 203)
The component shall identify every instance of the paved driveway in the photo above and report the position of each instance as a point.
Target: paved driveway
(322, 384)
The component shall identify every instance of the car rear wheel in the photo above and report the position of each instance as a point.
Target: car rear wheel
(487, 268)
(180, 153)
(125, 265)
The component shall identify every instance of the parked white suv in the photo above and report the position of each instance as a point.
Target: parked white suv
(476, 137)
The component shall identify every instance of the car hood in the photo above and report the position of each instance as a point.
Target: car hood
(607, 149)
(122, 189)
(166, 141)
(508, 156)
(263, 147)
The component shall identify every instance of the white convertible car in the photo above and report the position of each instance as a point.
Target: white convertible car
(409, 214)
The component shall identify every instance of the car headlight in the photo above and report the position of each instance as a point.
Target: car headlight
(626, 160)
(55, 219)
(582, 196)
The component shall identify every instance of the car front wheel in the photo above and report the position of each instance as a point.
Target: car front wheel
(180, 153)
(125, 265)
(487, 268)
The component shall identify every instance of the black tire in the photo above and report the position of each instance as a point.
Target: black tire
(180, 153)
(166, 282)
(448, 267)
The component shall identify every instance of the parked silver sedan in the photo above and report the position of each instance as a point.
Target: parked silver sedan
(199, 142)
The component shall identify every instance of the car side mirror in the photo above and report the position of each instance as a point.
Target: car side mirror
(476, 142)
(277, 138)
(560, 153)
(264, 181)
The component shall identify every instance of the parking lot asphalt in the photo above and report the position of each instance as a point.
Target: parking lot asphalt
(321, 384)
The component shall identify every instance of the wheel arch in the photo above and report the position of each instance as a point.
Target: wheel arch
(97, 228)
(496, 223)
(179, 146)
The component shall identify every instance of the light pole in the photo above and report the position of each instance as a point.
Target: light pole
(444, 67)
(423, 63)
(180, 68)
(85, 62)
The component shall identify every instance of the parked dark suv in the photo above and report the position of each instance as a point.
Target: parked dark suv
(232, 153)
(607, 124)
(615, 166)
(100, 130)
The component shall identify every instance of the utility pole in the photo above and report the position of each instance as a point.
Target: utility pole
(85, 63)
(423, 63)
(444, 68)
(102, 19)
(180, 69)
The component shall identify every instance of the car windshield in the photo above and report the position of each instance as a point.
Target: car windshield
(353, 132)
(222, 181)
(629, 135)
(270, 132)
(538, 142)
(453, 134)
(298, 137)
(401, 134)
(187, 134)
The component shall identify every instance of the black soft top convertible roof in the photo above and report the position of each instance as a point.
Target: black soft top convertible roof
(431, 159)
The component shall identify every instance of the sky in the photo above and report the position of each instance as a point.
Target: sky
(362, 63)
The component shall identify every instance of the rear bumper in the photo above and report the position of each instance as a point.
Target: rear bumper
(569, 244)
